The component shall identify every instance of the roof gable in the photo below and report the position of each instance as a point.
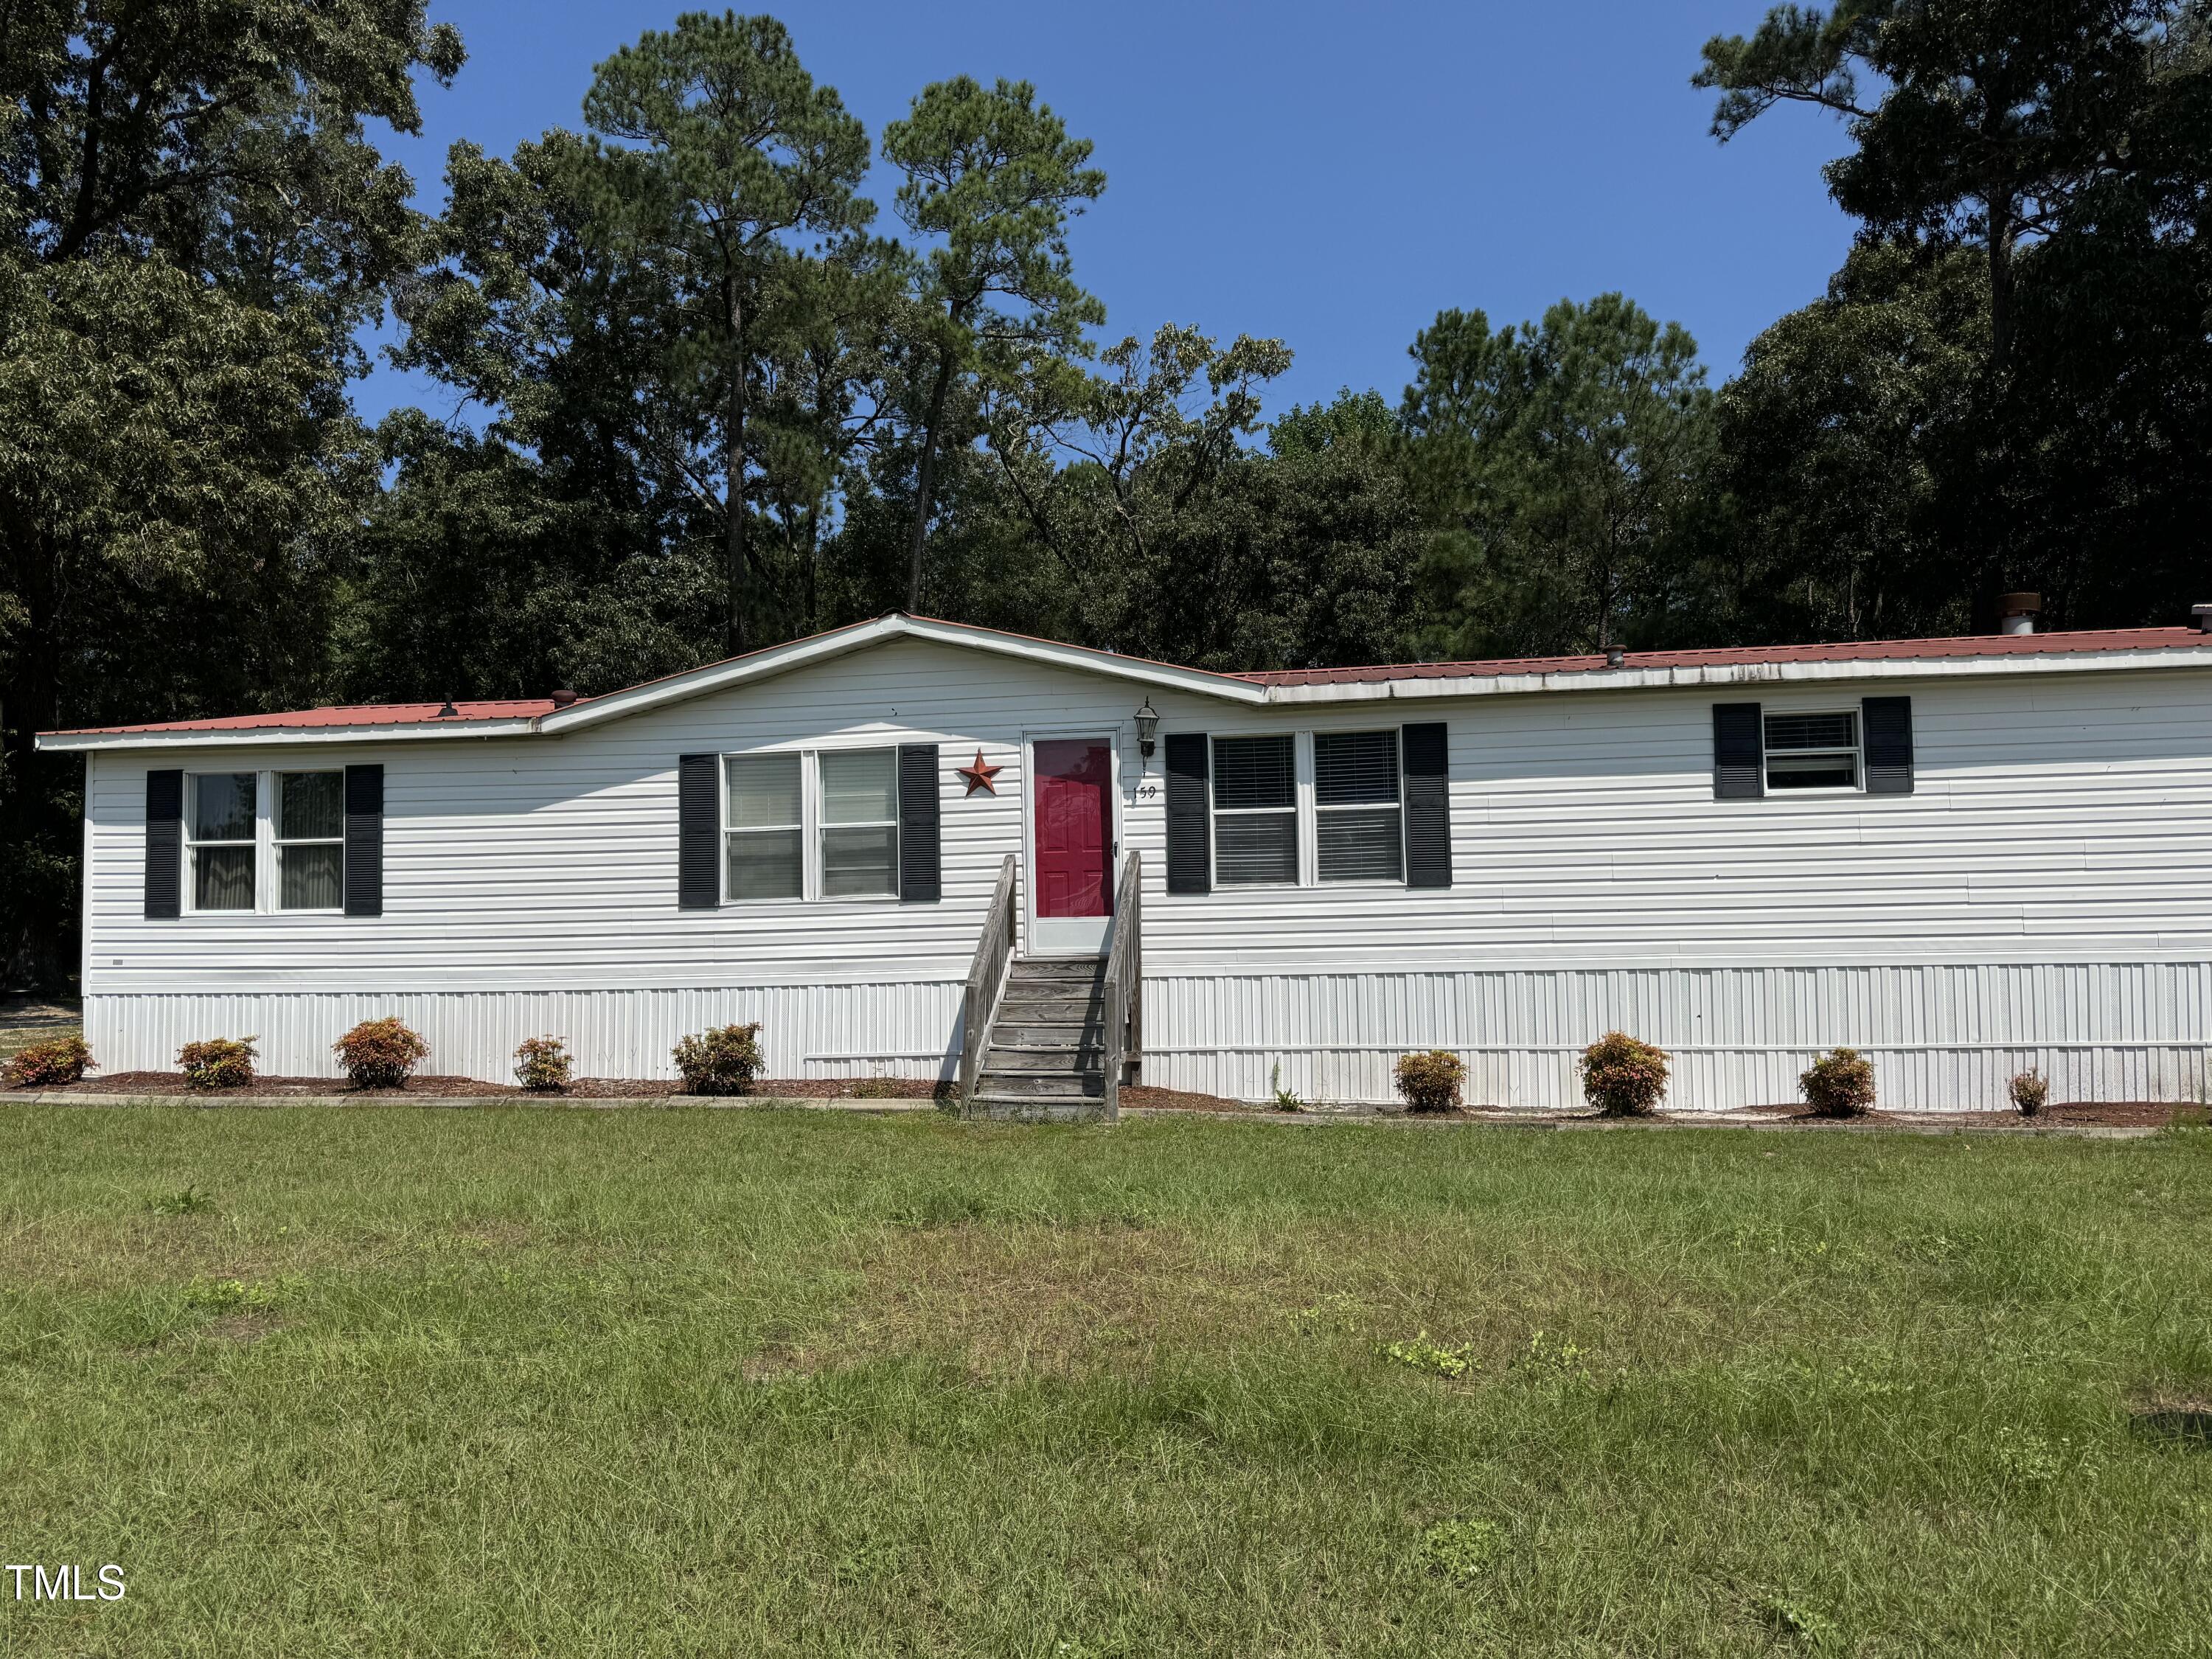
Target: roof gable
(841, 642)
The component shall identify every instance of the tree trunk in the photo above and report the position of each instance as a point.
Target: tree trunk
(925, 480)
(2003, 234)
(735, 518)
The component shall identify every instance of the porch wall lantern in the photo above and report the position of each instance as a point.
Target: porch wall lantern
(1148, 726)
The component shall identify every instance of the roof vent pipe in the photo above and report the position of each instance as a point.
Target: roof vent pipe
(2019, 611)
(561, 696)
(2202, 616)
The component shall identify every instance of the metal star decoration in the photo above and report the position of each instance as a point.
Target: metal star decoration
(979, 775)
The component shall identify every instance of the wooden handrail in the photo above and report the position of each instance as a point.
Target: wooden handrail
(1125, 981)
(987, 979)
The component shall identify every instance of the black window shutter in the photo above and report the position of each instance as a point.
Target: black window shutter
(1427, 759)
(1886, 728)
(364, 841)
(920, 856)
(1190, 838)
(698, 833)
(165, 845)
(1739, 752)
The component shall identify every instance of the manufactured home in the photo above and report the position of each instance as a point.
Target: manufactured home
(915, 848)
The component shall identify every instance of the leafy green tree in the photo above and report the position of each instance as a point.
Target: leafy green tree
(991, 180)
(1364, 418)
(1987, 120)
(2067, 148)
(729, 152)
(1560, 466)
(1844, 443)
(1131, 510)
(193, 223)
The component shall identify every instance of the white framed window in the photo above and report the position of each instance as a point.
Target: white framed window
(310, 841)
(860, 832)
(1359, 828)
(1255, 811)
(222, 812)
(764, 828)
(1812, 751)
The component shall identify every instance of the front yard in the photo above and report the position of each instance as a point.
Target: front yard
(397, 1380)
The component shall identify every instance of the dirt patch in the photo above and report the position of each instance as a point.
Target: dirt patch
(2182, 1417)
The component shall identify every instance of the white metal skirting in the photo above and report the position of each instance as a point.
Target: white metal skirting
(617, 1034)
(1941, 1036)
(1947, 1035)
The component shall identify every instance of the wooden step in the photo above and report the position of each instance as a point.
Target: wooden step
(1032, 1109)
(1081, 968)
(1077, 1006)
(1035, 1033)
(1069, 1061)
(1064, 1017)
(996, 1080)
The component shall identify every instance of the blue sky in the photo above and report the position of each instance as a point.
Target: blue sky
(1334, 175)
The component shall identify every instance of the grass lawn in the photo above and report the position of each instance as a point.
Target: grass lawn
(557, 1382)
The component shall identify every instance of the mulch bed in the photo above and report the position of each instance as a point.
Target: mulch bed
(2067, 1115)
(1177, 1100)
(2064, 1115)
(449, 1088)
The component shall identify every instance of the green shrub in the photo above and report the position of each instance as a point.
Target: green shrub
(2030, 1090)
(542, 1064)
(1840, 1084)
(219, 1062)
(1430, 1082)
(378, 1053)
(721, 1061)
(1286, 1100)
(1622, 1077)
(58, 1060)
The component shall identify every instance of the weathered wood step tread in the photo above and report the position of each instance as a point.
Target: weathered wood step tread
(1071, 1085)
(1045, 1062)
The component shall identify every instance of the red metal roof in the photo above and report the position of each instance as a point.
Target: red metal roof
(1975, 645)
(1971, 645)
(365, 713)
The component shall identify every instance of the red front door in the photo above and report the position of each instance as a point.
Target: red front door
(1075, 780)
